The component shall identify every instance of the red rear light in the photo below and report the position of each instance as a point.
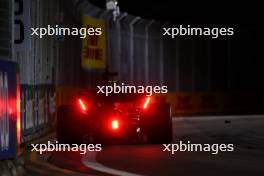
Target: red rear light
(82, 104)
(115, 124)
(146, 103)
(18, 124)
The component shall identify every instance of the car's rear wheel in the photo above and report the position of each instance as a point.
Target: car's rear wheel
(69, 130)
(158, 124)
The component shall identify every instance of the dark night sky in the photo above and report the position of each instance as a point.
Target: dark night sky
(193, 12)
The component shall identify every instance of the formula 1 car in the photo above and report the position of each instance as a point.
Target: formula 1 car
(114, 119)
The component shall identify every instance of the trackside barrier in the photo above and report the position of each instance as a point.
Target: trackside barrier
(186, 103)
(37, 110)
(9, 109)
(141, 55)
(27, 122)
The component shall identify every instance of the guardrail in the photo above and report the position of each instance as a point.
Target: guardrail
(26, 111)
(9, 110)
(37, 110)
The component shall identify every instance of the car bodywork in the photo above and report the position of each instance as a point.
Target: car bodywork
(118, 118)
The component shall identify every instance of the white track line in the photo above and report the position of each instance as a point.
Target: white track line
(44, 167)
(89, 160)
(218, 117)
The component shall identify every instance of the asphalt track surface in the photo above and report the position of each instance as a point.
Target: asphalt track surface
(246, 133)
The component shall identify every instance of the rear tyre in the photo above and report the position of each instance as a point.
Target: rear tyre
(68, 129)
(159, 130)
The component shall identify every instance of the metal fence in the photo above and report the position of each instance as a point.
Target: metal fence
(135, 47)
(141, 55)
(203, 75)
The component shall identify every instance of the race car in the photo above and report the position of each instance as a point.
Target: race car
(114, 119)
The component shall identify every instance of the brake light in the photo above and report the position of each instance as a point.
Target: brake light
(18, 124)
(115, 124)
(82, 104)
(146, 103)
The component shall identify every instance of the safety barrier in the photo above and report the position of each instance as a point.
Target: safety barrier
(196, 71)
(9, 110)
(26, 111)
(37, 110)
(193, 103)
(36, 59)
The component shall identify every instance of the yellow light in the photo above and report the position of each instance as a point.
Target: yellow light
(82, 105)
(115, 124)
(146, 103)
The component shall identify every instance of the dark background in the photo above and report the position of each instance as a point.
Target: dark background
(244, 16)
(246, 65)
(193, 12)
